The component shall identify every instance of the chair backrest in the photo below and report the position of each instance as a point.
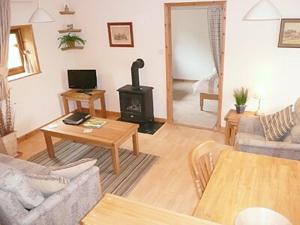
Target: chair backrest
(203, 162)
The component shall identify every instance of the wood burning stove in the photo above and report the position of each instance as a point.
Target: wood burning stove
(136, 102)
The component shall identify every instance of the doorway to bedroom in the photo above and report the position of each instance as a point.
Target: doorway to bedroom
(194, 41)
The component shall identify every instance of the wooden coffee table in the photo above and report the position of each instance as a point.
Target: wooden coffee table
(111, 135)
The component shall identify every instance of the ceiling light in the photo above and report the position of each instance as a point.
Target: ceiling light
(263, 10)
(40, 15)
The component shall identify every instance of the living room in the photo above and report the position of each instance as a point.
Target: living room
(251, 59)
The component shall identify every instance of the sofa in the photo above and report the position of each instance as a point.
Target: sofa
(66, 207)
(250, 138)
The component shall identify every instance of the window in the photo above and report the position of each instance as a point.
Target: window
(16, 52)
(22, 55)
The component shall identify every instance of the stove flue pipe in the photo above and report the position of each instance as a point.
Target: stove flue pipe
(138, 64)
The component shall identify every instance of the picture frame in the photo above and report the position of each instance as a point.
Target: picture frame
(289, 36)
(120, 34)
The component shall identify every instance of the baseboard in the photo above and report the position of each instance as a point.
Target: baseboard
(28, 135)
(35, 131)
(185, 80)
(109, 114)
(112, 114)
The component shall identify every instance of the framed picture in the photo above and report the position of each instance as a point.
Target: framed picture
(120, 34)
(289, 33)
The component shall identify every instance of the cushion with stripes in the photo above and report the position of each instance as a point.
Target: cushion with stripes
(277, 125)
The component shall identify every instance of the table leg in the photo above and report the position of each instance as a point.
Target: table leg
(232, 136)
(201, 102)
(79, 106)
(135, 142)
(227, 134)
(66, 105)
(103, 106)
(116, 159)
(49, 144)
(92, 107)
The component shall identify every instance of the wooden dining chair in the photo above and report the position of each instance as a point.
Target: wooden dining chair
(203, 160)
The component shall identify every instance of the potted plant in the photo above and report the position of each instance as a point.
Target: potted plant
(8, 136)
(241, 96)
(70, 41)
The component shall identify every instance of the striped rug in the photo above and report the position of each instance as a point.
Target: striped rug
(133, 168)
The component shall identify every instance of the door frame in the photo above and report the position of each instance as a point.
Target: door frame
(169, 56)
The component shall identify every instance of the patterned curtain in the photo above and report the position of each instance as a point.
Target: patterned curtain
(215, 30)
(4, 43)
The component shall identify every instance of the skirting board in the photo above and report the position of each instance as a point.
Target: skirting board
(110, 114)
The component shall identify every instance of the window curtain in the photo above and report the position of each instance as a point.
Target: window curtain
(215, 30)
(4, 44)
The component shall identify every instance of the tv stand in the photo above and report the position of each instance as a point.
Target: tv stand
(89, 96)
(85, 91)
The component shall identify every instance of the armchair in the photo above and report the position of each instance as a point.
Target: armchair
(67, 206)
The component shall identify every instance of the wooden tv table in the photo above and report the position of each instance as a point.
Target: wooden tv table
(111, 135)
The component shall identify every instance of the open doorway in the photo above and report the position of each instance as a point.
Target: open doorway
(195, 50)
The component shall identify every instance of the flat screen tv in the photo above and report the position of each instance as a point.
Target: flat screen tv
(82, 79)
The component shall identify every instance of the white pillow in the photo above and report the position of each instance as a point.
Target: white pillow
(73, 169)
(47, 184)
(13, 181)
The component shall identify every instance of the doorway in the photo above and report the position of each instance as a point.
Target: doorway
(194, 61)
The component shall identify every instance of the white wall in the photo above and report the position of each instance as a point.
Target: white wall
(252, 58)
(192, 55)
(36, 97)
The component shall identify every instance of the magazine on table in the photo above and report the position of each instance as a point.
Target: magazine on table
(94, 123)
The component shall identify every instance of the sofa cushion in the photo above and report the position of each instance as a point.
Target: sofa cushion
(73, 169)
(11, 210)
(248, 138)
(297, 109)
(12, 180)
(294, 136)
(47, 184)
(278, 125)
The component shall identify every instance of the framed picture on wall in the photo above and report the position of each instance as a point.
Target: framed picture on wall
(120, 34)
(289, 33)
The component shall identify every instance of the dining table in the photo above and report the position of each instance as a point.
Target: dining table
(243, 180)
(115, 210)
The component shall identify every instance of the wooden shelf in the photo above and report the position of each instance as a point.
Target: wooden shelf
(69, 31)
(67, 12)
(72, 48)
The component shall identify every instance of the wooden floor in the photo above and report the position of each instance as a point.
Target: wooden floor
(168, 184)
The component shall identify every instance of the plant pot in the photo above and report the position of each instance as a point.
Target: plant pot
(9, 144)
(71, 44)
(240, 109)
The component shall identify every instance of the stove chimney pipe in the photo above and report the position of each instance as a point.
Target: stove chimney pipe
(138, 64)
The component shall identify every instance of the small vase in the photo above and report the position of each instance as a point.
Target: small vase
(240, 108)
(9, 144)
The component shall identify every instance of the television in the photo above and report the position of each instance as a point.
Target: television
(83, 80)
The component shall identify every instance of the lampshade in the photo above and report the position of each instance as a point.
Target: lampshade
(263, 10)
(40, 16)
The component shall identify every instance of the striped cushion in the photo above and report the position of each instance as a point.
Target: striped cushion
(277, 125)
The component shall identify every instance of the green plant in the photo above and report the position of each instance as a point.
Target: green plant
(241, 96)
(69, 40)
(6, 117)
